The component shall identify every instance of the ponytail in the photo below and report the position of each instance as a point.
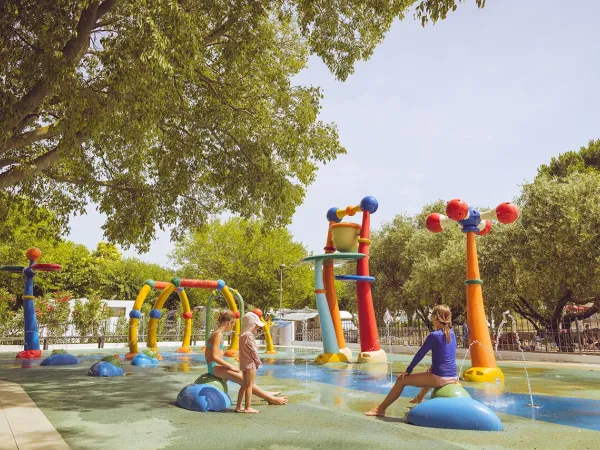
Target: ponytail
(443, 314)
(447, 333)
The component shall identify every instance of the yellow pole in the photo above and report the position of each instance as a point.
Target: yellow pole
(187, 316)
(268, 338)
(235, 344)
(134, 322)
(153, 324)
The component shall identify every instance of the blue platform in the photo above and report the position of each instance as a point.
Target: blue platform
(458, 413)
(355, 278)
(203, 397)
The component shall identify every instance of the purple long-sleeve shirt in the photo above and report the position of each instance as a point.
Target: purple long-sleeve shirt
(443, 354)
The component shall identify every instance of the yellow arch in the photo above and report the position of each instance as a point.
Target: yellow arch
(155, 314)
(135, 314)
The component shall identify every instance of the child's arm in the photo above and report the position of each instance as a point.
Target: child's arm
(254, 352)
(421, 353)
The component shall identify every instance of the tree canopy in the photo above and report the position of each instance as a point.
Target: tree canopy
(248, 258)
(165, 112)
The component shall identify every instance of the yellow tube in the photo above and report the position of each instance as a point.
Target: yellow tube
(133, 322)
(187, 334)
(153, 324)
(268, 338)
(234, 347)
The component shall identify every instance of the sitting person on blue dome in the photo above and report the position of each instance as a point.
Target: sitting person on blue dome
(442, 343)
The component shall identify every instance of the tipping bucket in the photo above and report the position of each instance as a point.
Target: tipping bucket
(345, 236)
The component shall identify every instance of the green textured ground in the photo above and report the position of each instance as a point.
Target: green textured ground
(138, 412)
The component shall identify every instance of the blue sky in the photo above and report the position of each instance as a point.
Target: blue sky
(467, 108)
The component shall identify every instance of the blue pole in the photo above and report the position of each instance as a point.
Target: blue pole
(330, 344)
(32, 338)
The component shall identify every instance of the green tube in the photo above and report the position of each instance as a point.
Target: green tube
(240, 300)
(208, 315)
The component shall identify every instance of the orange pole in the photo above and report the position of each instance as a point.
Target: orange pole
(476, 320)
(330, 293)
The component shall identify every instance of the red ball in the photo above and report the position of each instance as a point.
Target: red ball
(486, 229)
(188, 315)
(456, 209)
(236, 314)
(507, 212)
(434, 223)
(33, 254)
(257, 311)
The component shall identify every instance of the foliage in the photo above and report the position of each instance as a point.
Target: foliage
(52, 311)
(552, 257)
(585, 160)
(434, 10)
(89, 316)
(168, 111)
(248, 258)
(11, 321)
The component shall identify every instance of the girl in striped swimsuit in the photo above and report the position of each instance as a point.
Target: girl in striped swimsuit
(249, 361)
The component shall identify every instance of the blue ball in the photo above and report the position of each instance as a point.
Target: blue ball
(332, 215)
(135, 314)
(203, 397)
(155, 313)
(144, 361)
(369, 204)
(220, 284)
(105, 369)
(62, 359)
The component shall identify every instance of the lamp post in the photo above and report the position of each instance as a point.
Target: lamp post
(281, 267)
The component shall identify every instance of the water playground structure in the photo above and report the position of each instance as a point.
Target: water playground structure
(346, 241)
(31, 337)
(472, 222)
(178, 285)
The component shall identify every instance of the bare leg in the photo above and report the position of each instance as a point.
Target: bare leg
(249, 376)
(241, 393)
(420, 396)
(236, 377)
(422, 380)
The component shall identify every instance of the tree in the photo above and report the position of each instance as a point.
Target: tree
(247, 257)
(391, 264)
(587, 159)
(88, 316)
(550, 257)
(168, 111)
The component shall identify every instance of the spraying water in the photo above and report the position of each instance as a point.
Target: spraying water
(514, 326)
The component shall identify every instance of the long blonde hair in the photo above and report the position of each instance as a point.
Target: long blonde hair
(444, 316)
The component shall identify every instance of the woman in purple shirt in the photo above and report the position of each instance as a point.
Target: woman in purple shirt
(442, 344)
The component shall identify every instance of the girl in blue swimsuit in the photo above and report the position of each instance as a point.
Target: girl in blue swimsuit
(442, 343)
(218, 367)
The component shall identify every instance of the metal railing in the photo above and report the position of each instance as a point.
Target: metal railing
(583, 337)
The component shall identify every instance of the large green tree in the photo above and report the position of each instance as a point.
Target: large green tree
(164, 112)
(550, 258)
(248, 258)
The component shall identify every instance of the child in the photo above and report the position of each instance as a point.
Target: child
(442, 344)
(218, 367)
(249, 361)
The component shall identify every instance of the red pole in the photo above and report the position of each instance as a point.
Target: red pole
(369, 339)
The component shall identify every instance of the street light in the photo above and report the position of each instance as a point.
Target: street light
(281, 267)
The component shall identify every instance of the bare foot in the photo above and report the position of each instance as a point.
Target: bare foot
(416, 400)
(275, 394)
(239, 410)
(278, 401)
(375, 412)
(251, 411)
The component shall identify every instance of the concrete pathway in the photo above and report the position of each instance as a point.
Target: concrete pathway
(22, 425)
